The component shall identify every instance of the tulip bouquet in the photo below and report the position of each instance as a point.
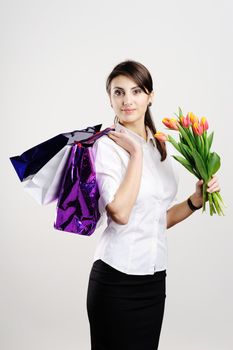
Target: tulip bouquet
(194, 145)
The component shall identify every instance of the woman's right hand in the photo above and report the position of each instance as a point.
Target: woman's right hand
(125, 141)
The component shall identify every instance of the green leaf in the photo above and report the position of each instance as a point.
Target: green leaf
(213, 163)
(180, 112)
(202, 147)
(185, 163)
(205, 141)
(200, 165)
(184, 151)
(182, 140)
(187, 154)
(174, 143)
(191, 135)
(198, 143)
(187, 149)
(185, 136)
(209, 142)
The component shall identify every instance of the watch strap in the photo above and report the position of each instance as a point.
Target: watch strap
(192, 206)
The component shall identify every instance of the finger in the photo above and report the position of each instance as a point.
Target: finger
(112, 133)
(212, 181)
(214, 188)
(199, 182)
(115, 132)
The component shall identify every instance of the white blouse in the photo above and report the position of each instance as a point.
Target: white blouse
(140, 246)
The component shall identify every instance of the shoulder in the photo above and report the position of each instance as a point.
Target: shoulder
(105, 147)
(105, 142)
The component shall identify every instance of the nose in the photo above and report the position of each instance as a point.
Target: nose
(127, 100)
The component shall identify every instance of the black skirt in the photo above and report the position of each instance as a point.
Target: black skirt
(125, 311)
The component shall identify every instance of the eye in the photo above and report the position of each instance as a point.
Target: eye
(137, 91)
(117, 92)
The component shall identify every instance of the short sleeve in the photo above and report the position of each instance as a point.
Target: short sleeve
(174, 202)
(108, 168)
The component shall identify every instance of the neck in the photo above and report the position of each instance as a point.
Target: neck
(139, 129)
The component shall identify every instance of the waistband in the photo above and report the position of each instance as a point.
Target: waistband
(101, 266)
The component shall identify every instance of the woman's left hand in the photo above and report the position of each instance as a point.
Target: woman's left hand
(213, 186)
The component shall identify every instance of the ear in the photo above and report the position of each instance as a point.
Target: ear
(152, 96)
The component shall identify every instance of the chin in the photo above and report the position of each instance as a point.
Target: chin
(131, 118)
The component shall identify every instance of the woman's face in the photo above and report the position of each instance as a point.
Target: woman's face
(128, 100)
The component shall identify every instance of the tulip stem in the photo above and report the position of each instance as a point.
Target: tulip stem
(204, 196)
(212, 210)
(220, 198)
(217, 204)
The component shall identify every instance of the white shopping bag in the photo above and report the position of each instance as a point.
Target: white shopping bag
(45, 184)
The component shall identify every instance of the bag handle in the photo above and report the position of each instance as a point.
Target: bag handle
(90, 140)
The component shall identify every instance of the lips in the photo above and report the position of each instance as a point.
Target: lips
(128, 110)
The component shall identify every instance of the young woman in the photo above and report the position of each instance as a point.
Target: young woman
(138, 185)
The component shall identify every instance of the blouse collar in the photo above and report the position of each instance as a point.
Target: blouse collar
(137, 137)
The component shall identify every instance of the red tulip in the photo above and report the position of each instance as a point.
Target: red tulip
(198, 128)
(161, 136)
(185, 121)
(170, 123)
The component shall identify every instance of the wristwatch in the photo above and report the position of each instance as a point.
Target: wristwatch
(191, 206)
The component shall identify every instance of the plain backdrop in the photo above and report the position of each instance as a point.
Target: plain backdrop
(55, 58)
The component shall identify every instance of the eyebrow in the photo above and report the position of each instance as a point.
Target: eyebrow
(118, 87)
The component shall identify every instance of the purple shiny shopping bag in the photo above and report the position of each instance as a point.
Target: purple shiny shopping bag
(77, 206)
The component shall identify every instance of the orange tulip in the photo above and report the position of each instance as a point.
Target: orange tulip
(170, 123)
(204, 123)
(161, 136)
(193, 117)
(198, 128)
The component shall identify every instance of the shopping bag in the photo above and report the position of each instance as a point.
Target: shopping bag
(40, 168)
(62, 169)
(77, 206)
(44, 186)
(32, 160)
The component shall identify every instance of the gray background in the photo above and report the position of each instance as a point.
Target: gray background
(55, 57)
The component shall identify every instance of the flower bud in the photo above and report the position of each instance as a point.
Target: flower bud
(161, 136)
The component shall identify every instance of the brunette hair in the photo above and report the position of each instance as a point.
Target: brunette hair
(140, 74)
